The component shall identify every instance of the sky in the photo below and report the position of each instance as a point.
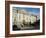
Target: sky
(33, 10)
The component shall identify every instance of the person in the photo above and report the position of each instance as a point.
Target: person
(15, 28)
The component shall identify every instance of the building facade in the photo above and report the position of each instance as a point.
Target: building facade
(22, 18)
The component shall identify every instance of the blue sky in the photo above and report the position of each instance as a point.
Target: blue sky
(33, 10)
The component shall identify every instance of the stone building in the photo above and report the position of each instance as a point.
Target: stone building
(22, 17)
